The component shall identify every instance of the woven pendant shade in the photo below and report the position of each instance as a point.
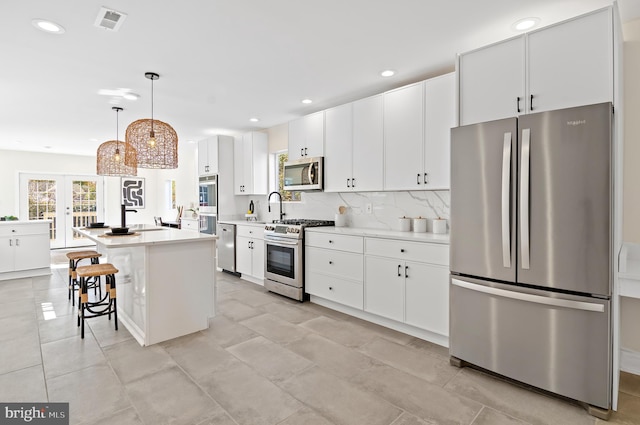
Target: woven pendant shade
(109, 165)
(116, 158)
(164, 154)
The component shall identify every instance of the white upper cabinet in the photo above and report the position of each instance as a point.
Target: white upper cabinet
(338, 169)
(353, 151)
(560, 66)
(250, 164)
(492, 81)
(368, 146)
(439, 118)
(208, 156)
(306, 136)
(571, 64)
(403, 137)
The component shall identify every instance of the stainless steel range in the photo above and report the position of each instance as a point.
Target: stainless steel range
(284, 256)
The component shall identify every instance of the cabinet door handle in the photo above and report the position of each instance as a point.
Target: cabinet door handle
(353, 182)
(331, 288)
(330, 262)
(426, 178)
(518, 104)
(401, 249)
(406, 268)
(348, 182)
(418, 178)
(531, 103)
(330, 241)
(10, 242)
(305, 151)
(399, 270)
(301, 152)
(17, 242)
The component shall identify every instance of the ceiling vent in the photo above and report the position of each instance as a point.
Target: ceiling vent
(109, 19)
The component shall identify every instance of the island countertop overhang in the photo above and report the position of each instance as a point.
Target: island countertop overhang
(141, 238)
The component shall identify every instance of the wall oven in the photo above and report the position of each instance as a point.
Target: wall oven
(208, 195)
(304, 174)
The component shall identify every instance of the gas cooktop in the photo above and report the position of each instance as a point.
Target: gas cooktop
(305, 222)
(292, 227)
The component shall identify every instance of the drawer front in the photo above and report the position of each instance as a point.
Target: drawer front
(254, 232)
(190, 224)
(412, 251)
(338, 263)
(24, 229)
(335, 289)
(331, 241)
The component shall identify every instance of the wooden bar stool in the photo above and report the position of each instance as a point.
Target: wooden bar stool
(102, 305)
(74, 258)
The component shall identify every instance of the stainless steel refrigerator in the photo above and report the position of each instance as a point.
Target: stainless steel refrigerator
(531, 242)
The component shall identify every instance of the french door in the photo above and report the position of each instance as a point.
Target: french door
(67, 200)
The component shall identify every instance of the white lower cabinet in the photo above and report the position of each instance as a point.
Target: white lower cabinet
(250, 251)
(332, 273)
(405, 281)
(24, 247)
(408, 282)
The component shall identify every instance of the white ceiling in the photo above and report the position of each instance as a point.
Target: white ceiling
(224, 61)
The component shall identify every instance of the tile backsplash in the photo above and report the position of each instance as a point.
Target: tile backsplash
(386, 207)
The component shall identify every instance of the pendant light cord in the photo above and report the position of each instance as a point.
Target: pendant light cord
(152, 105)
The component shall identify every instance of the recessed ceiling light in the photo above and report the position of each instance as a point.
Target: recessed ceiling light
(387, 73)
(47, 147)
(254, 119)
(525, 24)
(306, 101)
(48, 26)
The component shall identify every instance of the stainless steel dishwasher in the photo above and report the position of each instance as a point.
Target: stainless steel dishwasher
(227, 247)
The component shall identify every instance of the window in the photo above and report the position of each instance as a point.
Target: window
(279, 158)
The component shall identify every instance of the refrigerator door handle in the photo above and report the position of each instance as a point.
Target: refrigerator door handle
(506, 184)
(537, 299)
(524, 197)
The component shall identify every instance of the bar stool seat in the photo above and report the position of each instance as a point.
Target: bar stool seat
(74, 258)
(102, 305)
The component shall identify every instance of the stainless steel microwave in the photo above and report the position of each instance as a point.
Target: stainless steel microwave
(303, 174)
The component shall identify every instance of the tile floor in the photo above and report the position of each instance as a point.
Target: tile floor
(264, 360)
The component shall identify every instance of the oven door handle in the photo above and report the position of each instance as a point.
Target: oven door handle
(280, 242)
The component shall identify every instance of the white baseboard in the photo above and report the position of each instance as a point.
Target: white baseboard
(630, 361)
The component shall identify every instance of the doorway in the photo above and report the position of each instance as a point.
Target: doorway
(67, 200)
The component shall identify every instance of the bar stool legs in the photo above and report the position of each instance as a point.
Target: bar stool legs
(100, 305)
(75, 258)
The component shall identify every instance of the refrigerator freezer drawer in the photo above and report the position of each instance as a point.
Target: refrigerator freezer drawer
(559, 344)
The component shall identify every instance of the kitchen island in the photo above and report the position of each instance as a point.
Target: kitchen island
(166, 279)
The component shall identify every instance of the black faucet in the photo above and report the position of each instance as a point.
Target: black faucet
(123, 215)
(269, 205)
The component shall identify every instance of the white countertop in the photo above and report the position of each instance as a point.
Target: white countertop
(382, 233)
(165, 235)
(21, 222)
(244, 223)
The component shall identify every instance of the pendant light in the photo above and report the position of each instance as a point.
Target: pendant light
(155, 142)
(116, 158)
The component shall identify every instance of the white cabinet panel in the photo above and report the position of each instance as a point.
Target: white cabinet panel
(257, 265)
(208, 157)
(333, 288)
(306, 136)
(427, 297)
(7, 254)
(328, 261)
(244, 255)
(384, 288)
(251, 164)
(250, 251)
(571, 64)
(338, 160)
(439, 118)
(368, 144)
(32, 252)
(334, 241)
(492, 79)
(403, 138)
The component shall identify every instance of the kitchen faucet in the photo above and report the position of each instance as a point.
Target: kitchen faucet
(123, 215)
(269, 205)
